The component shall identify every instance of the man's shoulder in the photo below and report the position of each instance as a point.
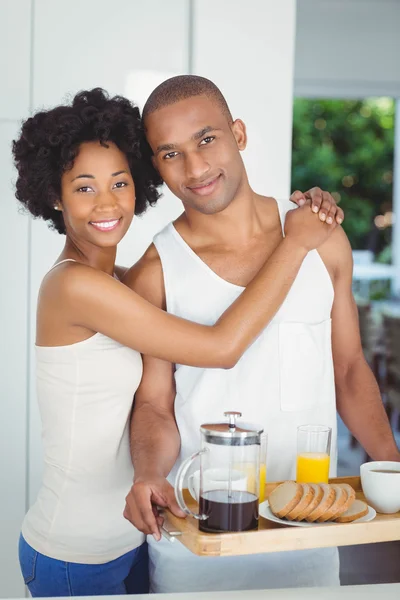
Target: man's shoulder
(272, 206)
(266, 201)
(146, 277)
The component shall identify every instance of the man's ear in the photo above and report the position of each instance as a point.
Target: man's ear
(239, 131)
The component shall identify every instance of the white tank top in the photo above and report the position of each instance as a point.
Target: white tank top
(85, 393)
(285, 379)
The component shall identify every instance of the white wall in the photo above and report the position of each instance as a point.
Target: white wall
(13, 371)
(14, 103)
(51, 48)
(347, 48)
(248, 50)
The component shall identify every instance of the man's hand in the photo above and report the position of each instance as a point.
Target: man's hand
(142, 504)
(321, 202)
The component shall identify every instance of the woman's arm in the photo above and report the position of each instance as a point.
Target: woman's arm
(100, 303)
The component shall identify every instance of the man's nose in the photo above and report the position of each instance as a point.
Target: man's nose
(197, 167)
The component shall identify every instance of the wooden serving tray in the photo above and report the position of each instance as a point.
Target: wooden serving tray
(273, 537)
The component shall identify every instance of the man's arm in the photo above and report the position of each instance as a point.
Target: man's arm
(155, 440)
(357, 394)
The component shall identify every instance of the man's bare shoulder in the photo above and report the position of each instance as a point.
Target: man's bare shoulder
(268, 209)
(266, 201)
(146, 277)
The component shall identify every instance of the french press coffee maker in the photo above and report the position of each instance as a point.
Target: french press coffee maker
(228, 480)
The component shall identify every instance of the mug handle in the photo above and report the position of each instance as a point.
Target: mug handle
(179, 485)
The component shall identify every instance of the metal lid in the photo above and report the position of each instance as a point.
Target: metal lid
(230, 433)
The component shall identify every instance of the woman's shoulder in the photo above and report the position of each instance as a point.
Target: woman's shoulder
(72, 278)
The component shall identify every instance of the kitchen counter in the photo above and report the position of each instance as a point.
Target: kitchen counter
(389, 591)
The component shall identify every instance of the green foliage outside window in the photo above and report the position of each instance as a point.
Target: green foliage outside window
(346, 147)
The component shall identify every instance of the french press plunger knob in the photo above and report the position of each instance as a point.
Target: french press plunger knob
(233, 415)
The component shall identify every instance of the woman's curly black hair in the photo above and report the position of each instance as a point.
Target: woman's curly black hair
(50, 140)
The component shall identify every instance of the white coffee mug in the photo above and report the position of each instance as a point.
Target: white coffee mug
(380, 482)
(216, 479)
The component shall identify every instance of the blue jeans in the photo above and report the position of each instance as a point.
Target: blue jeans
(47, 577)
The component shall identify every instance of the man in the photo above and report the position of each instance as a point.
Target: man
(195, 269)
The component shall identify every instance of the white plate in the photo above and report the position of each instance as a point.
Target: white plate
(265, 511)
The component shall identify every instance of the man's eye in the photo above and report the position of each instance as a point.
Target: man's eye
(84, 189)
(120, 184)
(207, 140)
(170, 155)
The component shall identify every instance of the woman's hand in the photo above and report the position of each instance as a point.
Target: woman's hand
(322, 203)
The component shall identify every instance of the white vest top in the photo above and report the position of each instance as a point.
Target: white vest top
(285, 379)
(85, 393)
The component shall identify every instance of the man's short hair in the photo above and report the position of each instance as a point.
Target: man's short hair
(182, 87)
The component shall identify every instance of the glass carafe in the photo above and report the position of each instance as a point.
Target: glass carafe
(227, 487)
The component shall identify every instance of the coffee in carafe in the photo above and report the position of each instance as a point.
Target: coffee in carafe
(235, 511)
(228, 492)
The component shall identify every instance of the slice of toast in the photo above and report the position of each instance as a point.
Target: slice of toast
(327, 500)
(351, 496)
(339, 506)
(350, 491)
(284, 498)
(357, 510)
(318, 493)
(308, 495)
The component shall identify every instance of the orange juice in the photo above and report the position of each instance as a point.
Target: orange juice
(263, 477)
(250, 471)
(312, 467)
(251, 478)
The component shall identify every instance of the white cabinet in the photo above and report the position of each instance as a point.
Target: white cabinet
(15, 58)
(247, 50)
(13, 370)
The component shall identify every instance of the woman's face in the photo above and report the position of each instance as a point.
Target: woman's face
(98, 195)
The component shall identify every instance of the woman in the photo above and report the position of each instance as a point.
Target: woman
(83, 168)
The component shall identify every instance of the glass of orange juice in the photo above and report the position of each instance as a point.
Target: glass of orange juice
(263, 466)
(313, 453)
(251, 471)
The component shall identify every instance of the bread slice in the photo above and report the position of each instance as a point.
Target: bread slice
(351, 496)
(318, 493)
(328, 499)
(285, 497)
(308, 495)
(350, 492)
(357, 510)
(339, 506)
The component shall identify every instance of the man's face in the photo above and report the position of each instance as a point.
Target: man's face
(197, 152)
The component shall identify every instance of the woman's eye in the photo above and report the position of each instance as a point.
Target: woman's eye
(207, 140)
(120, 184)
(170, 155)
(84, 189)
